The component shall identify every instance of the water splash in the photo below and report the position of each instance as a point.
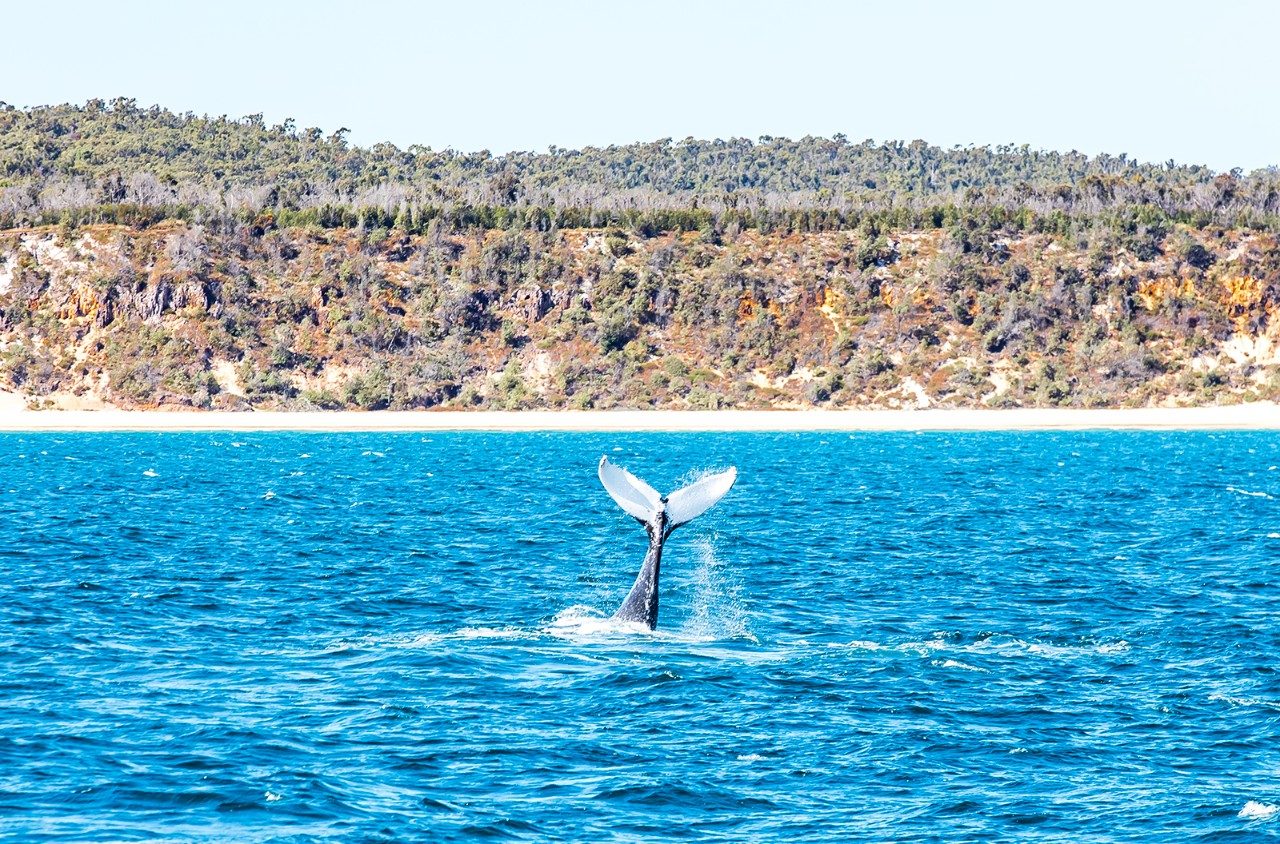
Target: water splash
(583, 622)
(1255, 811)
(717, 611)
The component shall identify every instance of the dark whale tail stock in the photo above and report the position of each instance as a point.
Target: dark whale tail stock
(660, 515)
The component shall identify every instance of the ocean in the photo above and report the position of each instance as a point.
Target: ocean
(873, 637)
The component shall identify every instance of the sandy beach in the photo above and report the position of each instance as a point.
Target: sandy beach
(1253, 416)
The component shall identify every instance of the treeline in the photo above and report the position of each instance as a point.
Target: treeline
(117, 162)
(379, 223)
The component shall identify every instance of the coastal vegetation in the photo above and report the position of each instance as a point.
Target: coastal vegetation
(151, 259)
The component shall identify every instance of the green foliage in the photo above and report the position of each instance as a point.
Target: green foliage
(615, 331)
(116, 162)
(370, 391)
(510, 390)
(383, 279)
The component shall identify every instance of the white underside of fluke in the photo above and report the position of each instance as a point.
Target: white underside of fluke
(643, 502)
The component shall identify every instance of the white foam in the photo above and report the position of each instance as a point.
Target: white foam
(581, 621)
(1255, 811)
(1231, 699)
(150, 473)
(1059, 651)
(490, 633)
(750, 757)
(1011, 646)
(421, 640)
(427, 640)
(1004, 646)
(955, 663)
(1248, 492)
(1236, 700)
(271, 796)
(920, 648)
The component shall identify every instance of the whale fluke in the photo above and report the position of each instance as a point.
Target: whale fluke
(685, 505)
(660, 515)
(640, 500)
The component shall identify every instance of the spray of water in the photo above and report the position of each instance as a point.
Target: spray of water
(717, 610)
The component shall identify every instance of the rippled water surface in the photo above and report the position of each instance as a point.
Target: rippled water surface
(932, 637)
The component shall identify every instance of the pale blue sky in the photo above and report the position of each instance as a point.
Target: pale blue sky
(1197, 82)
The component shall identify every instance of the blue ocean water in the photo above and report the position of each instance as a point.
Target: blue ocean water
(874, 637)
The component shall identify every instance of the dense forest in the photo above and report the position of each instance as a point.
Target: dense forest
(94, 158)
(156, 259)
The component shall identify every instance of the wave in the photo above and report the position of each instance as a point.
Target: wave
(1249, 493)
(431, 639)
(955, 663)
(862, 645)
(1255, 811)
(1237, 700)
(995, 644)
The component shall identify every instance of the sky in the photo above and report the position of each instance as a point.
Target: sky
(1193, 82)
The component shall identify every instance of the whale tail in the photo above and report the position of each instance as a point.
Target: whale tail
(659, 515)
(688, 503)
(643, 503)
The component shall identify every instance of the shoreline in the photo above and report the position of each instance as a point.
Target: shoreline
(1255, 416)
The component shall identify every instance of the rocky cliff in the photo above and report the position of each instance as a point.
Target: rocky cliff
(179, 315)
